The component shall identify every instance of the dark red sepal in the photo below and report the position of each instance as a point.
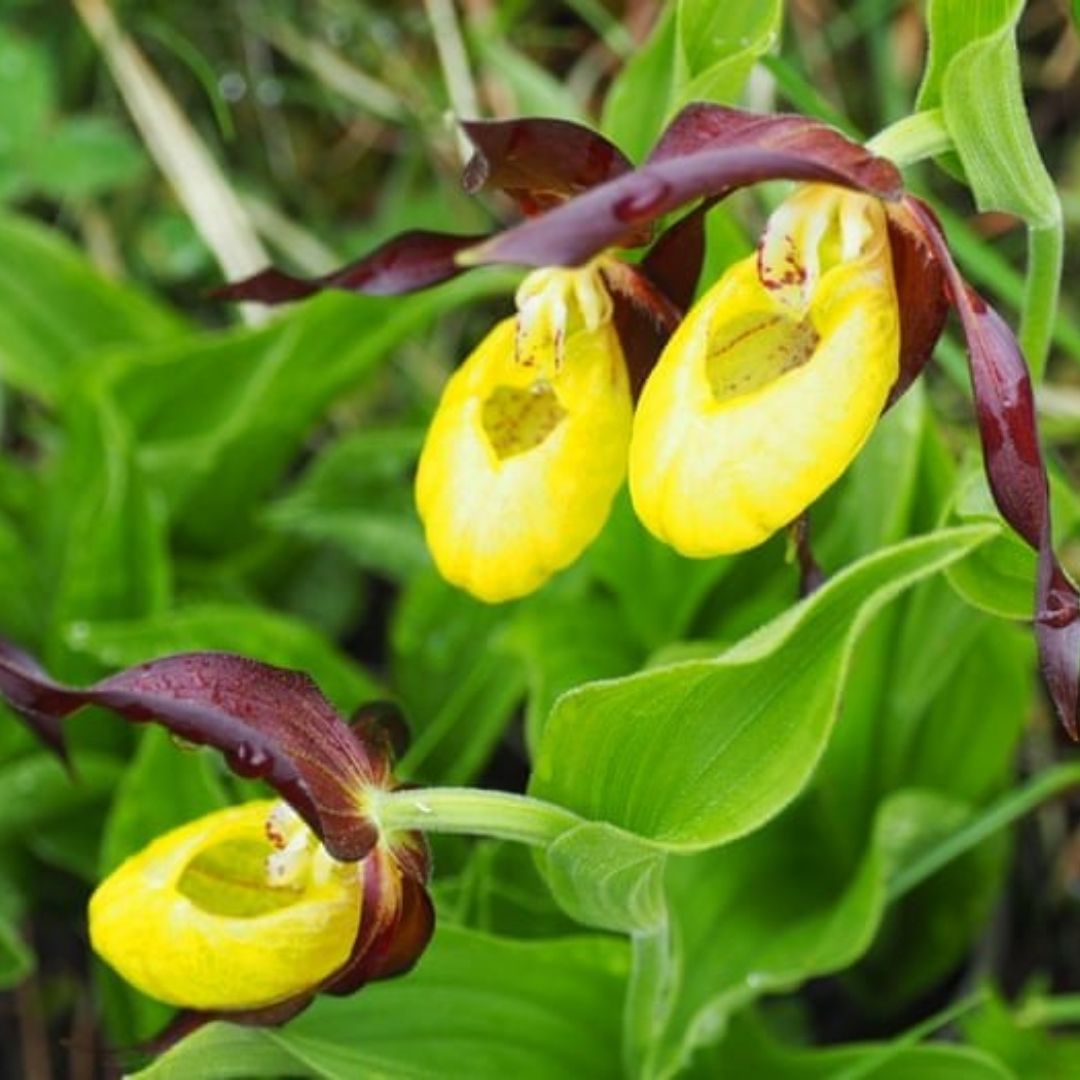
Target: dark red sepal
(539, 162)
(702, 126)
(397, 917)
(406, 263)
(1005, 410)
(381, 726)
(674, 262)
(270, 723)
(26, 699)
(707, 152)
(644, 319)
(920, 293)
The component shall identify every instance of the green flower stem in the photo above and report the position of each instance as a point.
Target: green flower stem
(1046, 249)
(1005, 811)
(916, 137)
(497, 814)
(648, 998)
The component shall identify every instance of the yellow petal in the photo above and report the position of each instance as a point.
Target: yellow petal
(768, 389)
(522, 461)
(192, 920)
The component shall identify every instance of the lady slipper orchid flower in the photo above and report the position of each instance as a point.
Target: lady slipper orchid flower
(527, 448)
(240, 909)
(250, 912)
(774, 381)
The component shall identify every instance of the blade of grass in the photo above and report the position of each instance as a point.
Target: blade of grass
(180, 153)
(335, 72)
(1008, 809)
(460, 88)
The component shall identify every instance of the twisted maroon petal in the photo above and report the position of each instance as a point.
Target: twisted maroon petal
(270, 723)
(920, 292)
(1005, 409)
(702, 126)
(707, 152)
(539, 162)
(674, 262)
(414, 260)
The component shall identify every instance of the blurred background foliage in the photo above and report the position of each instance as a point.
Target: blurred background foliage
(177, 474)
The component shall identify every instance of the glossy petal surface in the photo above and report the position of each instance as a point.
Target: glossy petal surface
(192, 919)
(772, 383)
(523, 459)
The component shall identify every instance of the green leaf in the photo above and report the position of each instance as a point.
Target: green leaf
(607, 879)
(565, 638)
(20, 614)
(457, 679)
(105, 539)
(744, 932)
(639, 98)
(658, 590)
(698, 51)
(720, 44)
(38, 792)
(220, 420)
(703, 752)
(1000, 577)
(358, 496)
(253, 631)
(505, 1008)
(973, 74)
(749, 1050)
(1021, 1039)
(498, 890)
(16, 959)
(536, 91)
(57, 312)
(876, 501)
(86, 156)
(164, 787)
(26, 94)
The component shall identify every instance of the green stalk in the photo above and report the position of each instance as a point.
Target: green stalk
(1046, 249)
(648, 997)
(916, 137)
(497, 814)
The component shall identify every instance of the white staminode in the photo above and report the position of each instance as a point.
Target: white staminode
(299, 859)
(553, 302)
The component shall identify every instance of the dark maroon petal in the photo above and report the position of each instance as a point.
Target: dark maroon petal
(539, 162)
(1005, 409)
(381, 725)
(404, 264)
(674, 262)
(644, 319)
(411, 935)
(27, 700)
(188, 1021)
(270, 723)
(920, 294)
(614, 213)
(702, 126)
(397, 917)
